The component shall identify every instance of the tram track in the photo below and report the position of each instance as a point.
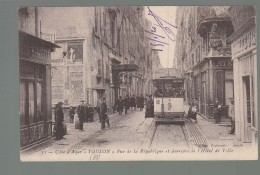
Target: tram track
(169, 136)
(175, 135)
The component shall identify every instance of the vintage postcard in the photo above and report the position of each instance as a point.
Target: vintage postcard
(135, 83)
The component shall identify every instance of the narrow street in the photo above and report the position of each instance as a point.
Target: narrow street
(126, 131)
(133, 131)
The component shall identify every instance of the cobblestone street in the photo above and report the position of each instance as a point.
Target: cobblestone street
(133, 131)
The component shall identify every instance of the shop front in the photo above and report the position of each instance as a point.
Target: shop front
(213, 75)
(211, 79)
(34, 90)
(244, 56)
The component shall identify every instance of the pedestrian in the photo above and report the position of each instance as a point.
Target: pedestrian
(194, 110)
(120, 105)
(55, 119)
(138, 102)
(145, 100)
(126, 103)
(71, 114)
(81, 110)
(217, 111)
(231, 114)
(98, 109)
(86, 118)
(59, 116)
(149, 113)
(103, 113)
(133, 102)
(141, 102)
(90, 113)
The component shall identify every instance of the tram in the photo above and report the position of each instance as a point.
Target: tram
(169, 100)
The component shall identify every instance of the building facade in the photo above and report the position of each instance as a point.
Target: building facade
(204, 56)
(103, 53)
(34, 81)
(244, 56)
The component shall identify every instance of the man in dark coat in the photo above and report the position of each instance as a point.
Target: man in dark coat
(217, 111)
(103, 113)
(59, 116)
(98, 109)
(126, 103)
(90, 113)
(81, 111)
(86, 106)
(141, 102)
(120, 105)
(137, 101)
(133, 102)
(231, 114)
(149, 108)
(71, 114)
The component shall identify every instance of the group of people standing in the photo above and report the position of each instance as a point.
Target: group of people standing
(129, 103)
(135, 102)
(85, 113)
(217, 112)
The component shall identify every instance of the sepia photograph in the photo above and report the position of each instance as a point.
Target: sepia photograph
(137, 83)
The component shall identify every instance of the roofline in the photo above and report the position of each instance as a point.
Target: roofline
(251, 22)
(42, 42)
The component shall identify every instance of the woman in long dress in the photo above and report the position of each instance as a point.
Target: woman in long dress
(59, 119)
(149, 113)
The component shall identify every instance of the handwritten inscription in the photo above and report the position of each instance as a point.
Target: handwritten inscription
(166, 27)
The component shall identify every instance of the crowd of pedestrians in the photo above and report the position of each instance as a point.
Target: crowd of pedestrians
(85, 112)
(129, 103)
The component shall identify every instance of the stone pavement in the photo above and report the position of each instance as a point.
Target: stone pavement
(212, 133)
(92, 135)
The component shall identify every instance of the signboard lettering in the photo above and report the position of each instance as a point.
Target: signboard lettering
(224, 63)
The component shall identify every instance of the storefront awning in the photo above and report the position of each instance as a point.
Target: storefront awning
(25, 38)
(125, 67)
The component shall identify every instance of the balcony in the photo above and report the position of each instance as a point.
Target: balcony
(205, 25)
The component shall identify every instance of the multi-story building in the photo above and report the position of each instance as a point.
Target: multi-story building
(204, 56)
(103, 53)
(34, 80)
(216, 51)
(244, 57)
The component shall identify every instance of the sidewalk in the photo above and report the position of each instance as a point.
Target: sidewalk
(74, 136)
(215, 134)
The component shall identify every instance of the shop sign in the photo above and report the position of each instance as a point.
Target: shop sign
(243, 44)
(34, 53)
(224, 63)
(88, 96)
(76, 84)
(57, 84)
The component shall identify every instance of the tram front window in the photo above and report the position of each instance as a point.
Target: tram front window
(158, 92)
(168, 88)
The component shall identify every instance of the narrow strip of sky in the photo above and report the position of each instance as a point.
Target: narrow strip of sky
(168, 13)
